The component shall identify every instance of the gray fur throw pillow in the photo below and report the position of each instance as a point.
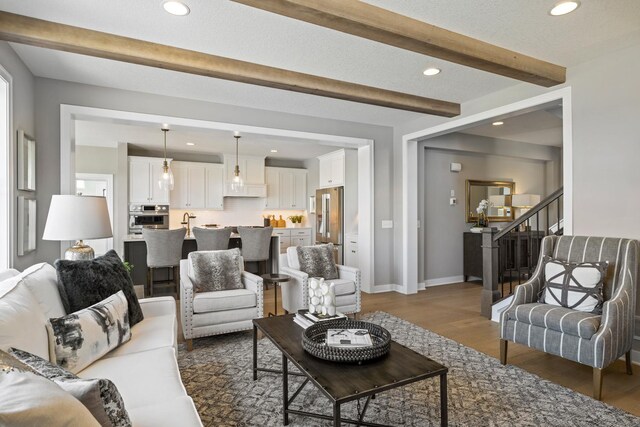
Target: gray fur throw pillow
(216, 270)
(317, 261)
(84, 283)
(100, 396)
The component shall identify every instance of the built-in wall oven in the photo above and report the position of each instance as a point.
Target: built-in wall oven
(148, 216)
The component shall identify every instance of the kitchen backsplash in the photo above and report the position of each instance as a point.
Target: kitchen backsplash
(237, 211)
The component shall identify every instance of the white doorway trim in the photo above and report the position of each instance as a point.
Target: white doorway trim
(410, 171)
(70, 113)
(7, 180)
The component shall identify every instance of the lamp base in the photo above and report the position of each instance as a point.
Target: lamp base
(79, 252)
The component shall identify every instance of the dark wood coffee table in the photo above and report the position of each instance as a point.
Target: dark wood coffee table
(342, 382)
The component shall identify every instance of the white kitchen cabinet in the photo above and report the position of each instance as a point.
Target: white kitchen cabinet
(331, 169)
(252, 171)
(214, 187)
(144, 175)
(293, 237)
(272, 178)
(189, 188)
(286, 188)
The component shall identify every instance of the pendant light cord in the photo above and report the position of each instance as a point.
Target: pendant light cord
(164, 131)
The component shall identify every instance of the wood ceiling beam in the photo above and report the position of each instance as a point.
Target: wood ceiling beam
(381, 25)
(51, 35)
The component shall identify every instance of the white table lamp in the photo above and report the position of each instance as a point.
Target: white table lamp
(78, 218)
(525, 200)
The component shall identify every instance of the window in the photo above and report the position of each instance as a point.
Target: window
(6, 170)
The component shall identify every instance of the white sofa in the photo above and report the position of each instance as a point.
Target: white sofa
(295, 292)
(144, 370)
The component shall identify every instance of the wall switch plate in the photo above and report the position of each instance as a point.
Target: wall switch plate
(387, 223)
(453, 201)
(453, 193)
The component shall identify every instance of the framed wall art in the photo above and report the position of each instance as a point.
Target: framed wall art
(26, 162)
(26, 224)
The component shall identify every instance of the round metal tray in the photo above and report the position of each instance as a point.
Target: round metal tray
(314, 337)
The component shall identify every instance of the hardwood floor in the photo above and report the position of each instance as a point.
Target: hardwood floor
(453, 311)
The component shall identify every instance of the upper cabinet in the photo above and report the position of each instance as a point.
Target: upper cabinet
(144, 175)
(331, 169)
(286, 188)
(252, 171)
(197, 185)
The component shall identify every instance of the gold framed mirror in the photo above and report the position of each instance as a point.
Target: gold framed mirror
(498, 193)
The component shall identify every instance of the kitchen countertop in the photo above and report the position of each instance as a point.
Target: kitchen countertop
(138, 237)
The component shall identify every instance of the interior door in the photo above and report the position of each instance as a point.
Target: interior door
(97, 185)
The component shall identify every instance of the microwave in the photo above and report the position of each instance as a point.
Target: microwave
(148, 216)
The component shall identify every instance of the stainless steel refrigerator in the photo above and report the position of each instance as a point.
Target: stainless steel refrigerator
(330, 218)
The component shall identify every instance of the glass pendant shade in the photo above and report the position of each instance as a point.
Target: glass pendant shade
(237, 183)
(166, 179)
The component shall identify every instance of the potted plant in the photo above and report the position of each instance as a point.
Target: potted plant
(483, 220)
(296, 220)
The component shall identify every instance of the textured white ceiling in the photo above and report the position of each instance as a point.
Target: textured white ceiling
(225, 28)
(208, 141)
(541, 127)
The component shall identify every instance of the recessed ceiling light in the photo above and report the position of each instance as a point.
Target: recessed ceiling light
(274, 151)
(564, 7)
(497, 123)
(191, 143)
(176, 8)
(431, 71)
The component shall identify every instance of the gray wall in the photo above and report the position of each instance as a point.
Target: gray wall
(444, 224)
(51, 93)
(96, 160)
(24, 118)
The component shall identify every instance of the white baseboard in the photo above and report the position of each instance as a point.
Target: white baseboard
(378, 289)
(441, 281)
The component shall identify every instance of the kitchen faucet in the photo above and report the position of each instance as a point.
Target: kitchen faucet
(186, 220)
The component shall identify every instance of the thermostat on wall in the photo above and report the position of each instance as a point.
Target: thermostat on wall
(456, 167)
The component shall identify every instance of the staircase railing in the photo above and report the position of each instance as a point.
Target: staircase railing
(510, 255)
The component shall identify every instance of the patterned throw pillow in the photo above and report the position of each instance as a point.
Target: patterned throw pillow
(577, 286)
(84, 283)
(81, 338)
(111, 411)
(317, 261)
(216, 270)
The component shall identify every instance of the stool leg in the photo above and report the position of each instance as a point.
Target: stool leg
(176, 276)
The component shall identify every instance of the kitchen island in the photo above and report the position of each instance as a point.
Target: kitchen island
(135, 252)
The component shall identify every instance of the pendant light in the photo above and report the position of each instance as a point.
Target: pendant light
(166, 179)
(237, 184)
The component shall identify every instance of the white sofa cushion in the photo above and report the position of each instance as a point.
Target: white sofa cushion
(22, 321)
(7, 274)
(219, 317)
(144, 378)
(233, 299)
(343, 286)
(345, 300)
(150, 334)
(177, 412)
(42, 281)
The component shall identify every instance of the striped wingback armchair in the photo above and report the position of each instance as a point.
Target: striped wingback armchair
(590, 339)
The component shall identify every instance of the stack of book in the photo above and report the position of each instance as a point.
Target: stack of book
(306, 319)
(349, 338)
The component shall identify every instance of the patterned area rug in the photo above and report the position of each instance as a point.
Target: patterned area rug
(217, 375)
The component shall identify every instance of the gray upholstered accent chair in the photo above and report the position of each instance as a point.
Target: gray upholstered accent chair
(164, 250)
(295, 292)
(256, 243)
(212, 239)
(218, 312)
(591, 339)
